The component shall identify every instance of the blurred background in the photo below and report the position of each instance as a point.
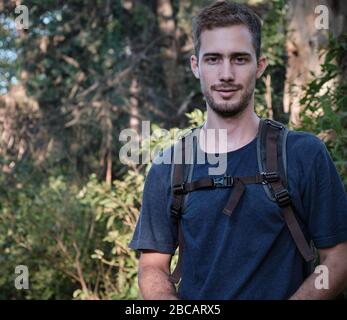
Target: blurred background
(83, 70)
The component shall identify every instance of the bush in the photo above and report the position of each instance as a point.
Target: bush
(324, 105)
(73, 239)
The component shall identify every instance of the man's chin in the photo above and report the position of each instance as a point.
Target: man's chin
(227, 102)
(226, 111)
(226, 108)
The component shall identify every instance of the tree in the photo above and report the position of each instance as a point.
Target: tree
(306, 36)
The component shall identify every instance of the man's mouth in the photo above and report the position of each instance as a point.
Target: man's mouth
(227, 93)
(227, 90)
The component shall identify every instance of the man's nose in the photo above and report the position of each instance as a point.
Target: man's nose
(226, 72)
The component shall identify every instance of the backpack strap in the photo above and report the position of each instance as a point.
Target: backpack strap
(181, 173)
(272, 161)
(273, 157)
(281, 152)
(182, 169)
(177, 179)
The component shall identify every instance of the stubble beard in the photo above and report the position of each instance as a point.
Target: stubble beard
(229, 109)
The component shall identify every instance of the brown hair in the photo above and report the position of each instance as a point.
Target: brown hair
(223, 14)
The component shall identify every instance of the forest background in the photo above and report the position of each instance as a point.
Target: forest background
(82, 71)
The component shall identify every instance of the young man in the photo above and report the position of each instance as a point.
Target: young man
(250, 254)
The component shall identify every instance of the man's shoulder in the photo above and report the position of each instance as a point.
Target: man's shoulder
(162, 162)
(161, 165)
(303, 143)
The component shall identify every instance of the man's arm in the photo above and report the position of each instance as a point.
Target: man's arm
(154, 271)
(335, 259)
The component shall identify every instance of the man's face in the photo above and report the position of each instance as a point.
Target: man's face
(227, 69)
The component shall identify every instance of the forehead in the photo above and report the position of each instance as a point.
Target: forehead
(225, 40)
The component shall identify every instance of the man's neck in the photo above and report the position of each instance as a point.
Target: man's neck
(240, 130)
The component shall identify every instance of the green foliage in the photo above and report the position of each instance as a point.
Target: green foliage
(76, 65)
(73, 241)
(273, 48)
(274, 33)
(117, 210)
(324, 105)
(196, 117)
(160, 139)
(37, 231)
(7, 53)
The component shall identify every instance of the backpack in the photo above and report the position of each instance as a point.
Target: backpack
(272, 164)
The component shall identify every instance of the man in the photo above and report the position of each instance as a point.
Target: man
(250, 254)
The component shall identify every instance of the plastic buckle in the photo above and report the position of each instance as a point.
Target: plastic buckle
(176, 213)
(270, 176)
(220, 182)
(179, 188)
(283, 198)
(274, 124)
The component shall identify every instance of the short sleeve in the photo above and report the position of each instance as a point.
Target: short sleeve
(154, 229)
(325, 201)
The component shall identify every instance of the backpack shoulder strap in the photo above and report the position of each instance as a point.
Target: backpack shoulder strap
(272, 136)
(281, 151)
(182, 167)
(181, 172)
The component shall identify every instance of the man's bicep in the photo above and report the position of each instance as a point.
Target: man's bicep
(339, 250)
(155, 229)
(326, 203)
(151, 258)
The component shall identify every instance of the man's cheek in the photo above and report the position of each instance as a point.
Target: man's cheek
(204, 82)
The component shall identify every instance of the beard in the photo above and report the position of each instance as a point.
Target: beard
(230, 109)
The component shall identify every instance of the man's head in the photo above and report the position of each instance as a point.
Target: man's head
(227, 56)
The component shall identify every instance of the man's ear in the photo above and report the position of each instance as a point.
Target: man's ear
(194, 65)
(262, 64)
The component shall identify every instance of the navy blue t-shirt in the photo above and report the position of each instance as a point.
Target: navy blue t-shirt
(250, 254)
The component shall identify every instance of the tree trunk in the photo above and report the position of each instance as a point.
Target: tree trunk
(302, 42)
(304, 39)
(339, 27)
(167, 28)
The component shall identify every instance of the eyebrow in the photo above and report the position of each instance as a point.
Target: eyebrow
(233, 55)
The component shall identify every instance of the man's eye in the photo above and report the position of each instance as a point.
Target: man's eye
(212, 60)
(240, 60)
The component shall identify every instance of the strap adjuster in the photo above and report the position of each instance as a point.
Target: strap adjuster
(283, 198)
(179, 188)
(175, 212)
(220, 182)
(274, 124)
(270, 177)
